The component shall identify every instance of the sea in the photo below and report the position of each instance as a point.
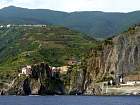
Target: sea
(70, 100)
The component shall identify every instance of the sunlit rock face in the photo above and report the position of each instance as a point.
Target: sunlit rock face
(127, 51)
(119, 55)
(115, 56)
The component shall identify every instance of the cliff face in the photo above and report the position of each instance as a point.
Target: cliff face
(40, 82)
(120, 55)
(115, 57)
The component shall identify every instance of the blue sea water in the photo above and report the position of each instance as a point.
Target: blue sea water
(70, 100)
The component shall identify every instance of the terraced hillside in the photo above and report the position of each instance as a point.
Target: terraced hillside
(20, 45)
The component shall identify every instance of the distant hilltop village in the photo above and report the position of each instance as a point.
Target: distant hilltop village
(27, 70)
(24, 25)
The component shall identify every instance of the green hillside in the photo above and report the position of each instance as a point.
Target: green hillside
(30, 45)
(95, 23)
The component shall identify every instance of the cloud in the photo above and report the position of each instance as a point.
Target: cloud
(4, 3)
(76, 5)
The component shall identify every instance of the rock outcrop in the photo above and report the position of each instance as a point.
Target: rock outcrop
(115, 57)
(40, 82)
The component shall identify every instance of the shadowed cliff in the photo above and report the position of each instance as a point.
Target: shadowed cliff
(39, 82)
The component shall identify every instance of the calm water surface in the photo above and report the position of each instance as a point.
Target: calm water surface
(70, 100)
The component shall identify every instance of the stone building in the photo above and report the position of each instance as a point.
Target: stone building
(26, 70)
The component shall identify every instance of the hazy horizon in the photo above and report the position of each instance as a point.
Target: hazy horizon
(76, 5)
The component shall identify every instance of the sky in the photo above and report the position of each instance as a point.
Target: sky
(76, 5)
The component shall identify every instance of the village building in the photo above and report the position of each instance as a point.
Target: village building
(8, 26)
(131, 80)
(53, 71)
(59, 70)
(1, 26)
(25, 71)
(63, 69)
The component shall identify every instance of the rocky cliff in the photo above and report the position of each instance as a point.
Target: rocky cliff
(39, 82)
(115, 57)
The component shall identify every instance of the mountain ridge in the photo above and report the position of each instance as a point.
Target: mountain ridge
(94, 23)
(12, 6)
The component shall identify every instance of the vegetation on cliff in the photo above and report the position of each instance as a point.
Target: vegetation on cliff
(96, 62)
(112, 59)
(30, 45)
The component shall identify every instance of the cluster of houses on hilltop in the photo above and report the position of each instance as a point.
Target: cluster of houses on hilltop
(24, 25)
(27, 70)
(7, 26)
(30, 25)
